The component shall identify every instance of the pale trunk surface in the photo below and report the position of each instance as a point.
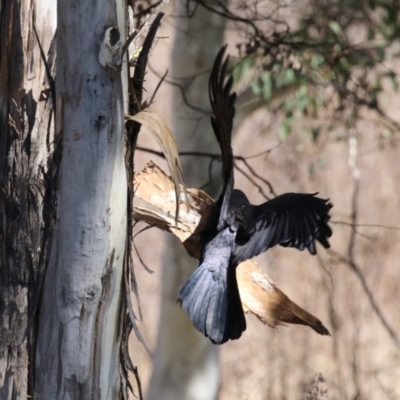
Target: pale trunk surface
(26, 145)
(186, 363)
(78, 355)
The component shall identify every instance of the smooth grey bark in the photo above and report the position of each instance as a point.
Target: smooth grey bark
(78, 354)
(185, 363)
(26, 148)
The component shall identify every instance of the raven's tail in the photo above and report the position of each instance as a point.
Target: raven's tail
(214, 305)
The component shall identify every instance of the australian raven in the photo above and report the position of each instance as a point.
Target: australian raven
(236, 230)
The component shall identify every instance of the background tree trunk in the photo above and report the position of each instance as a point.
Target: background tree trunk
(26, 148)
(79, 332)
(185, 363)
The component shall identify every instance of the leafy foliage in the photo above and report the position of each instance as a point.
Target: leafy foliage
(331, 53)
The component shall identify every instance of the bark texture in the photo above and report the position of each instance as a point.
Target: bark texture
(77, 354)
(26, 159)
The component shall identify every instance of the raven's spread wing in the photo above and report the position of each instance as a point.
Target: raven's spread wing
(223, 107)
(291, 220)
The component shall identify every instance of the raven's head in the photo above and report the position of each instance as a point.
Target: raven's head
(241, 208)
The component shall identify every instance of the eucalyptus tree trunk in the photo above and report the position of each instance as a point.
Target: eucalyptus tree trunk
(76, 343)
(186, 363)
(26, 162)
(78, 352)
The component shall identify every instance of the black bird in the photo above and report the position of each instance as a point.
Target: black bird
(236, 230)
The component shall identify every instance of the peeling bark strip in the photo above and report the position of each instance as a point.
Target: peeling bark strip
(258, 292)
(78, 350)
(26, 167)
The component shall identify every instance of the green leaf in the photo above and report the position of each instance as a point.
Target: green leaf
(300, 147)
(285, 128)
(314, 107)
(256, 87)
(322, 163)
(387, 133)
(302, 99)
(286, 78)
(336, 28)
(393, 78)
(317, 60)
(242, 69)
(266, 85)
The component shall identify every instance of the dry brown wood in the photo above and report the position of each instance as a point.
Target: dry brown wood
(260, 296)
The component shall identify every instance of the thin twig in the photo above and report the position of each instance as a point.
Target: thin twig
(247, 176)
(358, 225)
(245, 162)
(158, 87)
(369, 293)
(183, 88)
(350, 260)
(216, 156)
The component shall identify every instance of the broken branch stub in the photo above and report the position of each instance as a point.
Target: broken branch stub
(110, 49)
(258, 292)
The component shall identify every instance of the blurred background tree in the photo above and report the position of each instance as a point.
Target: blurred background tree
(317, 84)
(186, 363)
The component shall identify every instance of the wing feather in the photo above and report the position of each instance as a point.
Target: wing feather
(223, 108)
(291, 220)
